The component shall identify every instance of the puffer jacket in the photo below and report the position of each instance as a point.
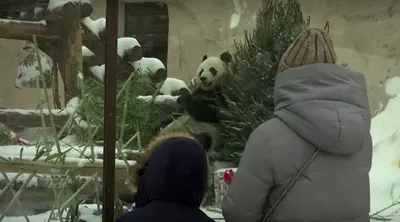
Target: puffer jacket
(321, 106)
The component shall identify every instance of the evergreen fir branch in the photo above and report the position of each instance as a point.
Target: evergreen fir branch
(249, 96)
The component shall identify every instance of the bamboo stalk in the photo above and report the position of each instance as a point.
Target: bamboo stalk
(84, 104)
(57, 203)
(42, 116)
(3, 159)
(66, 203)
(46, 94)
(118, 95)
(3, 191)
(121, 136)
(124, 113)
(65, 127)
(21, 207)
(97, 190)
(130, 140)
(17, 195)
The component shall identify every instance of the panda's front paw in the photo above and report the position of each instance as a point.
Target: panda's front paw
(183, 91)
(184, 96)
(182, 100)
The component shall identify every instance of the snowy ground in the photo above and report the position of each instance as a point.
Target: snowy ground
(385, 172)
(384, 175)
(86, 211)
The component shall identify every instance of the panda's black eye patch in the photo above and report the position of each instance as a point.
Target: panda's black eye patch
(213, 71)
(201, 71)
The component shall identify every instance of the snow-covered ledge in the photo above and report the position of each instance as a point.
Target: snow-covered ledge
(15, 118)
(222, 178)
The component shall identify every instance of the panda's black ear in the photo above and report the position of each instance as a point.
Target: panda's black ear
(226, 57)
(204, 58)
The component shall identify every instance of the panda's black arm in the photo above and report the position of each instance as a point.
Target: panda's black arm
(200, 110)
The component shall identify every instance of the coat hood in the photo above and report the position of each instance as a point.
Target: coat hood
(326, 105)
(176, 171)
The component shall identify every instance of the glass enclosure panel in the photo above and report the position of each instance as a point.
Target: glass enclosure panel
(215, 70)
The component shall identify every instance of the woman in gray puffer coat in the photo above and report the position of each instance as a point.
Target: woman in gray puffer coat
(318, 105)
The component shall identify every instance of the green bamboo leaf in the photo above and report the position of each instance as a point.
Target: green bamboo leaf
(39, 154)
(20, 152)
(57, 155)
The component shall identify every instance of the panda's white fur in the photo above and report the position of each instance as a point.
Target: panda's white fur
(200, 101)
(210, 71)
(172, 85)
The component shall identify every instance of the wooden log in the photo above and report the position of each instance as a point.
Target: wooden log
(69, 59)
(5, 3)
(92, 60)
(14, 118)
(42, 168)
(93, 42)
(96, 44)
(61, 13)
(24, 30)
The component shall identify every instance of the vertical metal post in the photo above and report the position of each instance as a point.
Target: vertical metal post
(110, 85)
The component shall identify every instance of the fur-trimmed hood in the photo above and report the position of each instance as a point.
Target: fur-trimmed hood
(173, 168)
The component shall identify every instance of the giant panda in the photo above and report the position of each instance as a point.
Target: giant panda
(200, 104)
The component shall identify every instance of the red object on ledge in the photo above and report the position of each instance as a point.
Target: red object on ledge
(228, 176)
(17, 140)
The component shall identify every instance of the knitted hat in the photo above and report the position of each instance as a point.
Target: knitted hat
(311, 46)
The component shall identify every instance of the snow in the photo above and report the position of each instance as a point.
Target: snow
(171, 85)
(37, 10)
(86, 214)
(56, 112)
(24, 176)
(72, 156)
(95, 26)
(235, 19)
(385, 172)
(383, 125)
(71, 106)
(219, 171)
(99, 71)
(86, 51)
(147, 66)
(159, 98)
(27, 73)
(126, 43)
(5, 21)
(239, 10)
(59, 3)
(392, 86)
